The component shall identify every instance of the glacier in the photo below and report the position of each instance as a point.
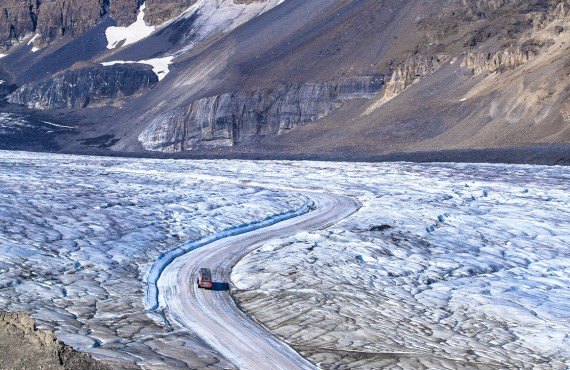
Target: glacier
(444, 265)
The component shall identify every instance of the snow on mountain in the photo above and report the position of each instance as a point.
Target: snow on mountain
(221, 16)
(160, 66)
(31, 41)
(122, 36)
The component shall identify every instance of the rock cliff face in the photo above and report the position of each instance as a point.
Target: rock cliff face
(50, 19)
(160, 11)
(231, 118)
(6, 90)
(500, 61)
(53, 19)
(489, 9)
(411, 70)
(283, 68)
(507, 23)
(405, 74)
(86, 87)
(531, 42)
(487, 24)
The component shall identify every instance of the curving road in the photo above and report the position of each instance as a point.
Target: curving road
(213, 314)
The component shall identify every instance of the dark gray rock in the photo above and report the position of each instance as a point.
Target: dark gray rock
(231, 118)
(6, 89)
(86, 87)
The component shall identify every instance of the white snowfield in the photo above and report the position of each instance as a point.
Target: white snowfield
(443, 266)
(123, 36)
(215, 17)
(160, 66)
(212, 17)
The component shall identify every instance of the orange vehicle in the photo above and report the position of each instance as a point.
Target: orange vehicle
(205, 279)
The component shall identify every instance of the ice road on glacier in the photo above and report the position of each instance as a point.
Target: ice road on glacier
(418, 266)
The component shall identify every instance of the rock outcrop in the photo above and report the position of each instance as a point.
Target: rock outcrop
(410, 71)
(50, 20)
(231, 118)
(25, 347)
(405, 74)
(54, 19)
(523, 48)
(160, 11)
(481, 62)
(86, 87)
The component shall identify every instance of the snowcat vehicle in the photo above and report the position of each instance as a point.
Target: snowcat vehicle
(205, 279)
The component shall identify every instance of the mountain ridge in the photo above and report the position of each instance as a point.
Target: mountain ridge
(258, 75)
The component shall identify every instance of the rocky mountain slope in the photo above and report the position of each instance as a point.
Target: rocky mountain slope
(86, 87)
(338, 78)
(55, 19)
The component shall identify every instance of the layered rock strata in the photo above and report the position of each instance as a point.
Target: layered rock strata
(230, 118)
(86, 87)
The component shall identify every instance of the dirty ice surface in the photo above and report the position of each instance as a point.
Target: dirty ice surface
(78, 235)
(444, 266)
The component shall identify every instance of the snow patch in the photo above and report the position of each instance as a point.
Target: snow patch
(31, 42)
(58, 125)
(122, 36)
(33, 39)
(220, 17)
(160, 66)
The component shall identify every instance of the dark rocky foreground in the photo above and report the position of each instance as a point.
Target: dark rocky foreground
(24, 347)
